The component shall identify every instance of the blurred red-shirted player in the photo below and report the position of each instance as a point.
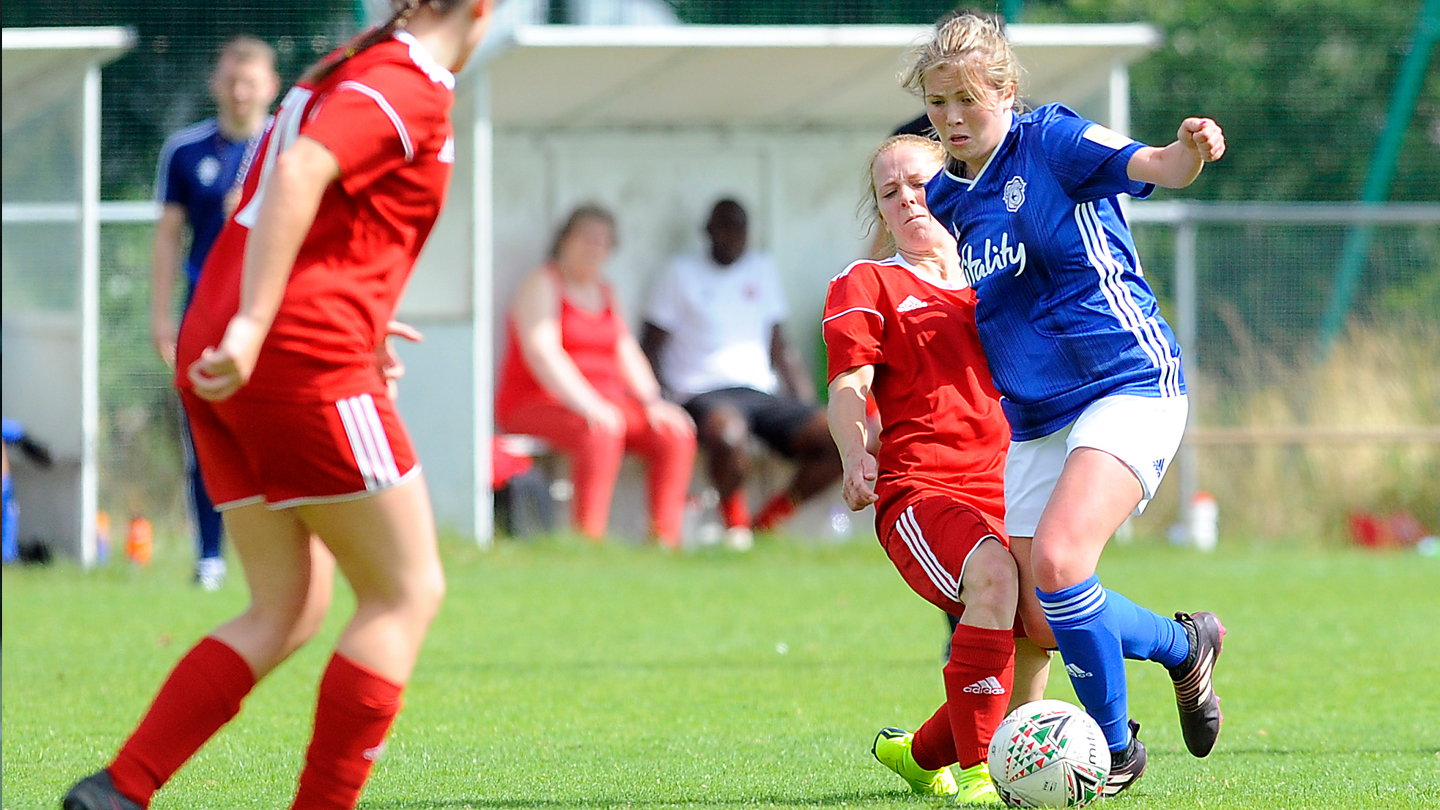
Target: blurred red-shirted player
(902, 331)
(284, 366)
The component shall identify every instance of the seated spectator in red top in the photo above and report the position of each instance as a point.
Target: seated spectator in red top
(574, 376)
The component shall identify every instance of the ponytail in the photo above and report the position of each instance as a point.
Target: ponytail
(404, 10)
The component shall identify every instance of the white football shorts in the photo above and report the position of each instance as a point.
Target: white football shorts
(1143, 432)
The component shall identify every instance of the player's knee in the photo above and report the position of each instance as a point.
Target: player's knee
(1056, 564)
(990, 582)
(426, 593)
(724, 430)
(600, 442)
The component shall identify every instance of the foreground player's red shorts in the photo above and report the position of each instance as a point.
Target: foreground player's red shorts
(929, 542)
(288, 454)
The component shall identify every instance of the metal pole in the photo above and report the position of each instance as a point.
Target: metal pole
(89, 312)
(1382, 170)
(1120, 98)
(482, 293)
(1185, 331)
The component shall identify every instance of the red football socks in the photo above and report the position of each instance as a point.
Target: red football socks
(355, 710)
(777, 511)
(978, 680)
(735, 510)
(934, 744)
(202, 694)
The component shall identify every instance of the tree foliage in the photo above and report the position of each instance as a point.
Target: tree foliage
(1302, 88)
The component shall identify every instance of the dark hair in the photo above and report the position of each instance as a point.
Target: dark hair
(728, 212)
(582, 213)
(404, 10)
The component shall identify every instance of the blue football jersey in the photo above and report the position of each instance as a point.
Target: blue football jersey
(1064, 313)
(198, 167)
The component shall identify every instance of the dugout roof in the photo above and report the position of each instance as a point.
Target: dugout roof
(571, 77)
(42, 66)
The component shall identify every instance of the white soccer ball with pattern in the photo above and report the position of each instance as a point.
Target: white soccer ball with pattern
(1049, 754)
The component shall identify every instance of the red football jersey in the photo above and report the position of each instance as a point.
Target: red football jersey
(385, 116)
(942, 428)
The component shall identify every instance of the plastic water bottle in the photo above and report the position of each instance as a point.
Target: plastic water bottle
(140, 541)
(102, 536)
(1204, 521)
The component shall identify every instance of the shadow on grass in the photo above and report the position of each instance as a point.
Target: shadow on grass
(1312, 752)
(828, 800)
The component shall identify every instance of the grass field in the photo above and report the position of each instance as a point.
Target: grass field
(560, 675)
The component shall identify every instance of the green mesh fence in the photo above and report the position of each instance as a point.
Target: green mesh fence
(1302, 89)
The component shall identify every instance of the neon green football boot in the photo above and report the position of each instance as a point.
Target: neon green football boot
(974, 786)
(892, 748)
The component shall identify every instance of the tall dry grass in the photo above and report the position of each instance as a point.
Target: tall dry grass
(1379, 375)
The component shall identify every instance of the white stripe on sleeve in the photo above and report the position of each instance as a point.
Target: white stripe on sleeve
(380, 100)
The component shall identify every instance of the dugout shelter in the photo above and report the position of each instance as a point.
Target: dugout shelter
(657, 123)
(51, 265)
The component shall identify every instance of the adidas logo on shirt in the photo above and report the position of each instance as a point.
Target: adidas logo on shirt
(910, 303)
(1076, 672)
(988, 686)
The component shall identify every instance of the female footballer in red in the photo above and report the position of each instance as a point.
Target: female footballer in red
(902, 331)
(283, 365)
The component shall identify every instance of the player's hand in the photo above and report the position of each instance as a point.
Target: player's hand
(1204, 137)
(162, 335)
(222, 370)
(387, 361)
(858, 484)
(605, 417)
(667, 417)
(232, 201)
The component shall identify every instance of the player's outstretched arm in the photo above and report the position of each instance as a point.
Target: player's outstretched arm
(848, 426)
(1198, 141)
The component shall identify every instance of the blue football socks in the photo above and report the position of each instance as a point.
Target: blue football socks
(1097, 630)
(1144, 634)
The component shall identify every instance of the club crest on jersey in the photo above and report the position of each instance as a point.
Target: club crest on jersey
(992, 259)
(1014, 194)
(207, 170)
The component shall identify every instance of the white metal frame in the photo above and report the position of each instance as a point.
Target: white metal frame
(95, 47)
(1185, 217)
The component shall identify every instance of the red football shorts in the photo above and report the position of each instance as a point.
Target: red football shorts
(287, 454)
(929, 542)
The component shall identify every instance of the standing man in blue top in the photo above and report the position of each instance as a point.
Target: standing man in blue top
(197, 184)
(1088, 370)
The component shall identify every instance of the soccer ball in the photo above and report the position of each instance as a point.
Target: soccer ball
(1049, 754)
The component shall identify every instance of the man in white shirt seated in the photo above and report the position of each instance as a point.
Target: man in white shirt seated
(713, 333)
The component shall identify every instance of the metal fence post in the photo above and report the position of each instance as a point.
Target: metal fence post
(1185, 326)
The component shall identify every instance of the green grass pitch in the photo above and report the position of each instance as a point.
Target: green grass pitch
(561, 675)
